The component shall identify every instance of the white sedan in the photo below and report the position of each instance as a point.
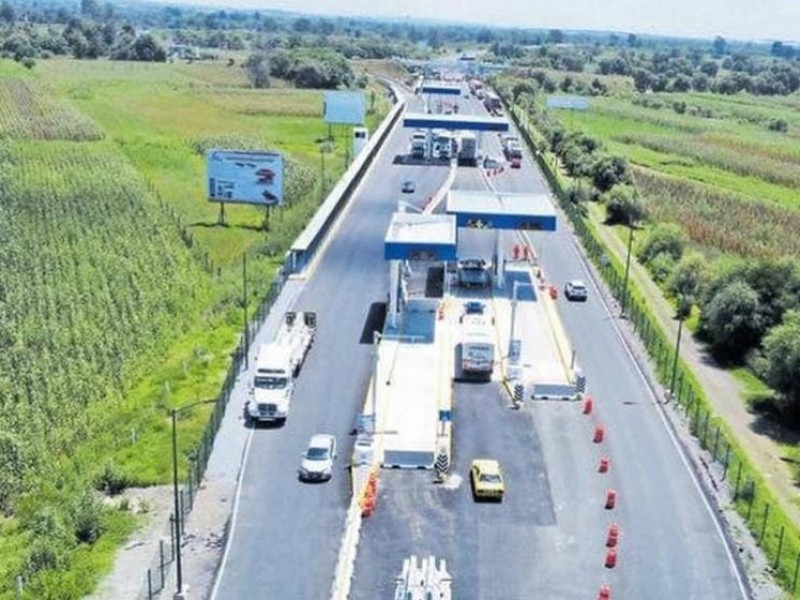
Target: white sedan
(318, 460)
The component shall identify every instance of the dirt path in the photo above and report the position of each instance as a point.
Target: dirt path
(723, 391)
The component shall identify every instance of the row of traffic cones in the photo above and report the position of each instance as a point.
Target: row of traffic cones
(613, 533)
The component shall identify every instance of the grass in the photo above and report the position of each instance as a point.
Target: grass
(152, 123)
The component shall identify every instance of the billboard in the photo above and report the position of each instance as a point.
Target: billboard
(245, 177)
(570, 102)
(344, 108)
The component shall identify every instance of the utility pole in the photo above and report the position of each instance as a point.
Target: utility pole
(624, 301)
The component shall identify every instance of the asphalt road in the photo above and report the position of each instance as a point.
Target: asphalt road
(287, 534)
(547, 539)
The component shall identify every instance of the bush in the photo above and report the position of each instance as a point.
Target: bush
(661, 266)
(112, 480)
(782, 353)
(731, 323)
(690, 277)
(609, 171)
(624, 206)
(664, 238)
(89, 518)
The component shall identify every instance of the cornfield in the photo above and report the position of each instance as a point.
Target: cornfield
(721, 220)
(28, 111)
(92, 286)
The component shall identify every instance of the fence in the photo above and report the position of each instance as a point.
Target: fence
(769, 525)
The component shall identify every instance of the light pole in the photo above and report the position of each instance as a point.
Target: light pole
(244, 315)
(627, 268)
(178, 564)
(376, 340)
(516, 286)
(684, 306)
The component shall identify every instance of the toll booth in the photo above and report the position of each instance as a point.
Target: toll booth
(431, 92)
(501, 211)
(478, 124)
(415, 237)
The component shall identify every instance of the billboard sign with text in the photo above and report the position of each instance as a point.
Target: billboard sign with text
(245, 177)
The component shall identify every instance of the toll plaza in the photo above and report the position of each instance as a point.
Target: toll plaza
(437, 89)
(409, 406)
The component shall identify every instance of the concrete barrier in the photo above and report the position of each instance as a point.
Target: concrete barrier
(310, 239)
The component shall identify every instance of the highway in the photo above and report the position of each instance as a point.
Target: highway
(547, 539)
(287, 533)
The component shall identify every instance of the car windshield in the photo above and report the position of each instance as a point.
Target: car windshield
(491, 478)
(317, 454)
(270, 383)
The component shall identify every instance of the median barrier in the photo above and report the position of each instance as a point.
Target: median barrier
(310, 239)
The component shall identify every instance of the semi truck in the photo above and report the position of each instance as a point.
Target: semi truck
(468, 152)
(511, 147)
(278, 364)
(476, 348)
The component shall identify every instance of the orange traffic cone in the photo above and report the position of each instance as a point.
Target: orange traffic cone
(603, 467)
(611, 499)
(611, 558)
(588, 405)
(605, 593)
(599, 434)
(613, 536)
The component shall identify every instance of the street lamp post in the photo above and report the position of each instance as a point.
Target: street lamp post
(683, 308)
(627, 269)
(178, 563)
(376, 340)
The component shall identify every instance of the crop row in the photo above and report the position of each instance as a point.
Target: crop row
(290, 102)
(28, 111)
(91, 286)
(780, 172)
(719, 220)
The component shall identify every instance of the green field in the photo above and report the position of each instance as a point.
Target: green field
(716, 168)
(121, 296)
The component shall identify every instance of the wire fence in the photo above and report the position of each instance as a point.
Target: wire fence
(769, 525)
(156, 575)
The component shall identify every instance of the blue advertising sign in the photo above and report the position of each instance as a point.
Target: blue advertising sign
(344, 108)
(569, 102)
(245, 177)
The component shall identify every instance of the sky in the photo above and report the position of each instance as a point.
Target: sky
(733, 19)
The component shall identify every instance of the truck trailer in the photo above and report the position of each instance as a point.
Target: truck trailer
(278, 364)
(476, 348)
(468, 152)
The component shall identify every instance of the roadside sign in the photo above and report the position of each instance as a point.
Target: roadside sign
(344, 108)
(570, 102)
(515, 351)
(445, 415)
(245, 177)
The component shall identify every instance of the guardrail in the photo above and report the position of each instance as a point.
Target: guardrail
(307, 243)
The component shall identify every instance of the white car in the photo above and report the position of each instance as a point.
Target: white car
(576, 290)
(318, 460)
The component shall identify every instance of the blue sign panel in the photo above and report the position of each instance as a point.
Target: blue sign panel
(245, 177)
(345, 108)
(445, 415)
(418, 251)
(571, 102)
(506, 221)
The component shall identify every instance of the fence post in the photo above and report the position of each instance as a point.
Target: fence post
(727, 458)
(738, 478)
(149, 584)
(764, 523)
(780, 547)
(796, 570)
(752, 499)
(161, 561)
(716, 442)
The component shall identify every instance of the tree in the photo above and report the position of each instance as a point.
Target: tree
(690, 277)
(7, 12)
(624, 206)
(555, 36)
(642, 79)
(608, 172)
(782, 351)
(145, 48)
(730, 322)
(258, 69)
(710, 68)
(664, 238)
(720, 46)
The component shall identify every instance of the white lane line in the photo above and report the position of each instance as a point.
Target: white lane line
(232, 527)
(575, 245)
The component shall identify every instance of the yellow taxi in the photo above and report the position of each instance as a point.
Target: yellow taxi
(487, 479)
